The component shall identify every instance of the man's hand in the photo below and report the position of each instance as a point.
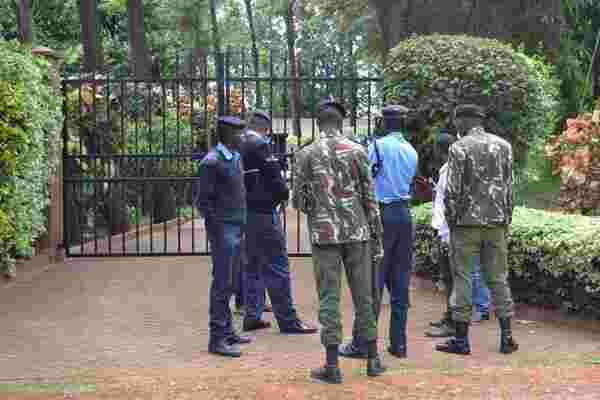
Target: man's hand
(376, 249)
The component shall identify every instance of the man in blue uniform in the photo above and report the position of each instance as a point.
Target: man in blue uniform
(268, 265)
(394, 165)
(221, 200)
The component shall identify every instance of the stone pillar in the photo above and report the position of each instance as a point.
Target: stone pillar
(55, 177)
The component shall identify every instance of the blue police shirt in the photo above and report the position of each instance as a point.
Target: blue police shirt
(398, 167)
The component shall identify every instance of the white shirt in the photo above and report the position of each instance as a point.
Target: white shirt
(438, 220)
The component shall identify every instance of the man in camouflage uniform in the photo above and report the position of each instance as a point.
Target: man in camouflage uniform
(478, 211)
(334, 188)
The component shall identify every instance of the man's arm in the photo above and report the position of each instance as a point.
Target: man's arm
(207, 191)
(509, 187)
(301, 186)
(454, 188)
(367, 193)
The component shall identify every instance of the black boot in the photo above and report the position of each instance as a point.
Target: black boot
(223, 348)
(458, 344)
(375, 366)
(507, 343)
(331, 372)
(352, 350)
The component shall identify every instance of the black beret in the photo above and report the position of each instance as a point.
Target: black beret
(394, 111)
(445, 138)
(331, 102)
(234, 122)
(261, 114)
(469, 110)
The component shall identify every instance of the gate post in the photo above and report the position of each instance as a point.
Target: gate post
(55, 177)
(220, 68)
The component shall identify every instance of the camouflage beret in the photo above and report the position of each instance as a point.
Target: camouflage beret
(331, 102)
(394, 111)
(231, 121)
(469, 110)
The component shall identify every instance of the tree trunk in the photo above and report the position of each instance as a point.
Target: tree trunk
(248, 4)
(24, 13)
(138, 53)
(89, 34)
(293, 84)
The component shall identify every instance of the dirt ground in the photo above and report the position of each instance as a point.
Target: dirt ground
(136, 328)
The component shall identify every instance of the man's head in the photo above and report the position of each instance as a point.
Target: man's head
(261, 123)
(394, 118)
(229, 130)
(331, 114)
(467, 117)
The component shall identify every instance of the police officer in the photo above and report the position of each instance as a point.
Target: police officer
(221, 200)
(478, 210)
(334, 188)
(394, 162)
(268, 264)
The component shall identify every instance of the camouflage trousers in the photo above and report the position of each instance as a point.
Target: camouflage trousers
(490, 243)
(356, 260)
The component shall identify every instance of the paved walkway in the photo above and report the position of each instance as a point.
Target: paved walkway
(133, 328)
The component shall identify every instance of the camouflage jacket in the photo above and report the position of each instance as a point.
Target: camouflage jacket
(480, 177)
(333, 187)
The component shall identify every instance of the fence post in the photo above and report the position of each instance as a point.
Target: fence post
(220, 68)
(55, 176)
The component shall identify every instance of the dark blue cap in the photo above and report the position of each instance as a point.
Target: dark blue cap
(394, 111)
(261, 114)
(469, 110)
(331, 102)
(445, 138)
(234, 122)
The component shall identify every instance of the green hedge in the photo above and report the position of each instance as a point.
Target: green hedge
(28, 111)
(554, 259)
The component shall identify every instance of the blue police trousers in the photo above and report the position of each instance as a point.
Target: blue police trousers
(394, 273)
(268, 267)
(225, 242)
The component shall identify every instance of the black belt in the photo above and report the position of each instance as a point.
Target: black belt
(404, 203)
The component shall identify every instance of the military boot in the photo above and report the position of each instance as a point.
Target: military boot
(352, 350)
(458, 344)
(507, 343)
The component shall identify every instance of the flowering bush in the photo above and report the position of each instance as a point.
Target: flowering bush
(575, 153)
(29, 110)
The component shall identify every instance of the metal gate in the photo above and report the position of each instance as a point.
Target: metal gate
(132, 146)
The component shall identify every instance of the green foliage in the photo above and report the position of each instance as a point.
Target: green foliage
(434, 73)
(28, 112)
(554, 259)
(578, 41)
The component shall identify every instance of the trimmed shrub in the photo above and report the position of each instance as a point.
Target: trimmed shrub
(554, 259)
(434, 73)
(28, 110)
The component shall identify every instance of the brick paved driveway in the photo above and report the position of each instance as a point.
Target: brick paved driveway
(138, 329)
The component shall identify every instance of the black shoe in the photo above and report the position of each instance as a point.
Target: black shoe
(458, 344)
(375, 367)
(297, 328)
(507, 343)
(399, 352)
(237, 339)
(350, 350)
(223, 348)
(327, 374)
(481, 316)
(445, 330)
(253, 324)
(454, 346)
